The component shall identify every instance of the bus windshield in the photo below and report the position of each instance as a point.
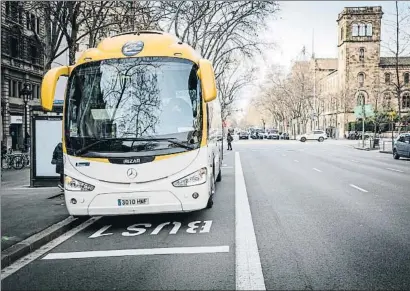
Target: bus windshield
(129, 105)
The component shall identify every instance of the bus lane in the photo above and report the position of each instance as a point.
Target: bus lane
(178, 251)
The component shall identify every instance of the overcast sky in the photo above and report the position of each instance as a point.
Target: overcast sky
(293, 28)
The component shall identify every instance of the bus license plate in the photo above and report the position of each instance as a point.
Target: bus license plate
(130, 202)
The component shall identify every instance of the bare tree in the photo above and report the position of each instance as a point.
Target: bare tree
(222, 31)
(229, 85)
(399, 46)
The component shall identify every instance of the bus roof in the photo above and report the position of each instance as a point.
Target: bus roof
(156, 44)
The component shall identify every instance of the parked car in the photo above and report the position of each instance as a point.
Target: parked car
(401, 146)
(256, 135)
(318, 135)
(243, 135)
(273, 135)
(284, 135)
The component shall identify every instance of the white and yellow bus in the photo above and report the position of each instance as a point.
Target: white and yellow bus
(142, 127)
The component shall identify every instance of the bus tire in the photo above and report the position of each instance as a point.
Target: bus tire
(211, 190)
(210, 202)
(219, 177)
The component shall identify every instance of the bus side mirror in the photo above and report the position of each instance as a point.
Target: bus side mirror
(48, 86)
(208, 83)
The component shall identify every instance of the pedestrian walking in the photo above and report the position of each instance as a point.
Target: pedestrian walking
(58, 161)
(229, 139)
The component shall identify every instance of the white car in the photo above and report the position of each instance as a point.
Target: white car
(318, 135)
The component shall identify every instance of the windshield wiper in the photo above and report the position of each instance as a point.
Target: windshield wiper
(170, 140)
(87, 147)
(177, 142)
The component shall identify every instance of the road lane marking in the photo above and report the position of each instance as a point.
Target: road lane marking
(283, 155)
(296, 161)
(227, 167)
(317, 170)
(248, 271)
(354, 161)
(46, 248)
(358, 188)
(400, 171)
(137, 252)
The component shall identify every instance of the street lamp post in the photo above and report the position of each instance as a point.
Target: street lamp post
(25, 94)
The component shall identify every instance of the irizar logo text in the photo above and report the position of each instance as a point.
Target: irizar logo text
(132, 161)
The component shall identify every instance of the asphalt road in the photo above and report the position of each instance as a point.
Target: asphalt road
(322, 216)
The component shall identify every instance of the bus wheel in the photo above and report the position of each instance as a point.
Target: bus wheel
(219, 177)
(212, 191)
(210, 202)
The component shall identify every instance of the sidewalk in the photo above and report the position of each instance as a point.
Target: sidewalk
(26, 211)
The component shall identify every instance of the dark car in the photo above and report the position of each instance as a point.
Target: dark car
(243, 135)
(401, 146)
(257, 135)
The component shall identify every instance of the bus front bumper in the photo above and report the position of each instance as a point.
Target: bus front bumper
(179, 199)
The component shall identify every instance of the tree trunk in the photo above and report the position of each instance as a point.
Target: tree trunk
(398, 88)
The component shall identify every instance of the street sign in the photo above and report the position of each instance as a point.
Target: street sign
(368, 110)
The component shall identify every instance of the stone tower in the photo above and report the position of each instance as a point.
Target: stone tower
(359, 54)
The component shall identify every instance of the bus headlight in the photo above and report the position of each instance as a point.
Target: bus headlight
(72, 184)
(196, 178)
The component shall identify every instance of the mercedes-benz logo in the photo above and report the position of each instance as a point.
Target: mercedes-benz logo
(131, 173)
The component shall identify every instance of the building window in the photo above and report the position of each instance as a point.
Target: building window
(341, 33)
(20, 16)
(361, 54)
(14, 10)
(10, 88)
(38, 25)
(33, 54)
(387, 100)
(8, 11)
(27, 20)
(360, 99)
(369, 29)
(19, 87)
(14, 47)
(362, 29)
(14, 89)
(355, 30)
(360, 79)
(406, 100)
(38, 91)
(406, 78)
(33, 22)
(387, 78)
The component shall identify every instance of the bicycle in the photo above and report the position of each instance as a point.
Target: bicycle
(14, 161)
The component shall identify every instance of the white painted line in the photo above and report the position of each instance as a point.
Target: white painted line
(283, 155)
(317, 170)
(400, 171)
(46, 248)
(358, 188)
(248, 269)
(296, 161)
(136, 252)
(354, 161)
(224, 165)
(227, 167)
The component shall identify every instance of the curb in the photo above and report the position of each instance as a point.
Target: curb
(34, 242)
(362, 149)
(386, 152)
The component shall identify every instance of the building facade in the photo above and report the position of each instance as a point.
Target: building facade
(22, 62)
(359, 73)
